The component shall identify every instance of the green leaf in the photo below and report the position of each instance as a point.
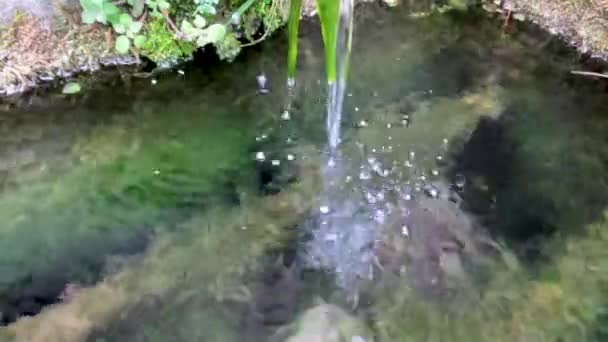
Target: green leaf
(139, 41)
(125, 19)
(135, 27)
(215, 33)
(163, 4)
(329, 14)
(88, 17)
(91, 5)
(191, 31)
(71, 88)
(199, 21)
(293, 29)
(119, 28)
(123, 44)
(111, 13)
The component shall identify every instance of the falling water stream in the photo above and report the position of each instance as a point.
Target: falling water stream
(340, 238)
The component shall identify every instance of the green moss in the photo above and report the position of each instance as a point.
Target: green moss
(161, 44)
(228, 48)
(64, 228)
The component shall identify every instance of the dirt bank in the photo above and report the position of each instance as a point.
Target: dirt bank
(582, 23)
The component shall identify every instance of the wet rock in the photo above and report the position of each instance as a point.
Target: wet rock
(328, 323)
(276, 295)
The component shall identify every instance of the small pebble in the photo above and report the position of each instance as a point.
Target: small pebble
(412, 154)
(154, 81)
(291, 157)
(435, 172)
(324, 209)
(181, 72)
(260, 156)
(275, 162)
(356, 109)
(388, 125)
(157, 172)
(285, 116)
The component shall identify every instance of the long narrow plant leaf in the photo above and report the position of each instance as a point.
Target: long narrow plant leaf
(329, 14)
(293, 28)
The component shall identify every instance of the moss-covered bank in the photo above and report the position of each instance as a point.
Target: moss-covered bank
(67, 40)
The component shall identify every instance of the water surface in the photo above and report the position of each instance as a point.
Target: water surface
(186, 206)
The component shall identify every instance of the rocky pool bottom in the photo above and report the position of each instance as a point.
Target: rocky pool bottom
(472, 184)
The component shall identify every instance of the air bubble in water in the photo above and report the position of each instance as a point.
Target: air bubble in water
(435, 172)
(260, 156)
(331, 237)
(371, 199)
(275, 162)
(365, 175)
(405, 231)
(291, 157)
(431, 192)
(412, 155)
(324, 209)
(362, 124)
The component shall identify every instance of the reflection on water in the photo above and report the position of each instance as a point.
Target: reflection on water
(471, 174)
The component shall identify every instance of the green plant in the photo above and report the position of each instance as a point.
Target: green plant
(106, 12)
(329, 15)
(228, 48)
(128, 30)
(206, 7)
(293, 27)
(199, 32)
(157, 6)
(161, 44)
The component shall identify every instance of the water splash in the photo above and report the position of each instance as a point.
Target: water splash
(341, 237)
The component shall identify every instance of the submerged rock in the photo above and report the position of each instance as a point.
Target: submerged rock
(328, 323)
